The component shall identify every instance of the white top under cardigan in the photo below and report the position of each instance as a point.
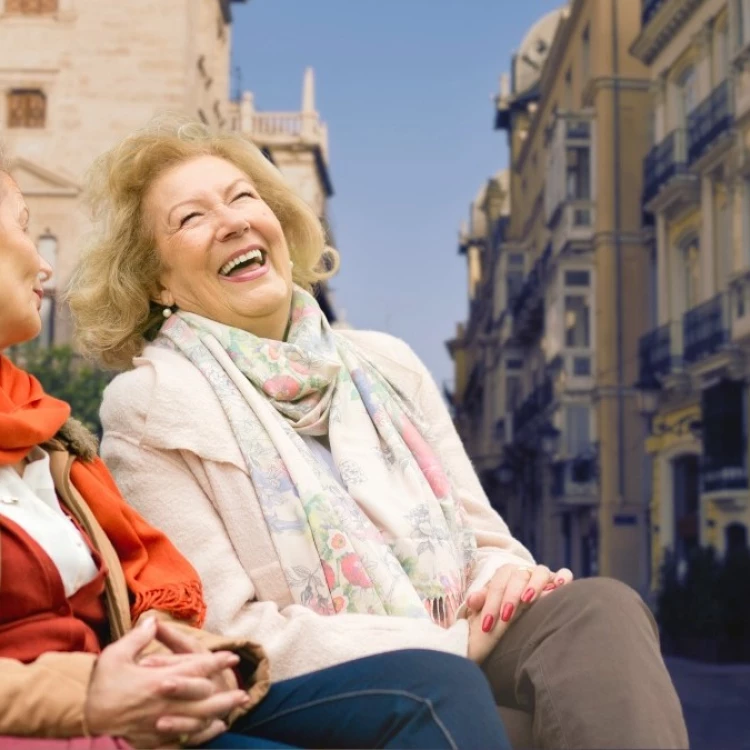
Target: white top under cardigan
(173, 453)
(30, 501)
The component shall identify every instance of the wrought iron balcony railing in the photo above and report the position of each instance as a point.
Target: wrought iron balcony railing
(658, 353)
(706, 328)
(663, 162)
(718, 479)
(712, 118)
(649, 8)
(535, 403)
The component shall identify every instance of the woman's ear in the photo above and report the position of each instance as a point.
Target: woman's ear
(165, 298)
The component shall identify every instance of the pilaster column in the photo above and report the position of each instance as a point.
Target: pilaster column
(662, 271)
(659, 104)
(708, 246)
(702, 43)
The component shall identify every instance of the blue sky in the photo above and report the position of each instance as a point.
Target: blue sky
(406, 88)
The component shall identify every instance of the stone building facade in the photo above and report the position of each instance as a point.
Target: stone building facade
(570, 298)
(78, 75)
(693, 362)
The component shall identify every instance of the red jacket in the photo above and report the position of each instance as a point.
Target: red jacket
(36, 616)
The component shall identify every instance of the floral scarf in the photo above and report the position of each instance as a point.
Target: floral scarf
(388, 538)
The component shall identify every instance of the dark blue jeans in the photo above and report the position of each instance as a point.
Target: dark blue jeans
(403, 699)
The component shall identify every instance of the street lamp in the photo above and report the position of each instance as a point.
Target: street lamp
(648, 392)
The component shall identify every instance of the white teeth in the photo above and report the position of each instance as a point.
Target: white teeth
(250, 255)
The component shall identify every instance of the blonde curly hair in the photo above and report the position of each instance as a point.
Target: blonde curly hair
(112, 291)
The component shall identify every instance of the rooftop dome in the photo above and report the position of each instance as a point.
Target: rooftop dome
(533, 50)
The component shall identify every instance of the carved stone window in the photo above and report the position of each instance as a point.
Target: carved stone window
(31, 7)
(27, 108)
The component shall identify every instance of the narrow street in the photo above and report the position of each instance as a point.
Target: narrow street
(716, 701)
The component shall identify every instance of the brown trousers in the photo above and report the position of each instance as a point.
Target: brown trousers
(585, 663)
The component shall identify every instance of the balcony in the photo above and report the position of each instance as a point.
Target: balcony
(724, 439)
(723, 479)
(660, 352)
(665, 173)
(574, 482)
(661, 21)
(649, 8)
(575, 227)
(710, 122)
(528, 306)
(706, 328)
(534, 404)
(570, 151)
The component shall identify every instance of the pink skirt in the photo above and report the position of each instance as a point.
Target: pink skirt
(72, 743)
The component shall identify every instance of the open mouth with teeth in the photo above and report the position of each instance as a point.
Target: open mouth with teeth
(252, 260)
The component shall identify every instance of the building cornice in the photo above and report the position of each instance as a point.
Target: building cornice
(662, 28)
(226, 10)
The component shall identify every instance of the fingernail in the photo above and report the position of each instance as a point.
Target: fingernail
(147, 622)
(528, 595)
(164, 725)
(549, 587)
(231, 659)
(487, 623)
(507, 612)
(560, 581)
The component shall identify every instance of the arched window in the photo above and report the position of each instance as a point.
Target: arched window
(686, 505)
(689, 261)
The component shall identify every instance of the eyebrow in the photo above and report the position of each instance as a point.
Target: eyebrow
(194, 200)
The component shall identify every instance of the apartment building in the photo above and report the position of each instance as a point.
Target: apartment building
(692, 362)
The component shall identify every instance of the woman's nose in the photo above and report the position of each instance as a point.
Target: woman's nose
(45, 271)
(231, 223)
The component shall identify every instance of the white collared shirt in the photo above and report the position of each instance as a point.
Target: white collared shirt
(31, 502)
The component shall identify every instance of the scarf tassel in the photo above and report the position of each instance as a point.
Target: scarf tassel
(182, 601)
(442, 609)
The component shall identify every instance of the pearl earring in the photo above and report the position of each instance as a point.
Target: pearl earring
(167, 312)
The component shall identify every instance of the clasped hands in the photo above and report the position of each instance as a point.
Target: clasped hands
(512, 590)
(160, 700)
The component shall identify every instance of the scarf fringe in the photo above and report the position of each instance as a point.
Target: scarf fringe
(442, 609)
(183, 601)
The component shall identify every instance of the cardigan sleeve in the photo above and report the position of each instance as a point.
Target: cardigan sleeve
(176, 491)
(496, 546)
(46, 698)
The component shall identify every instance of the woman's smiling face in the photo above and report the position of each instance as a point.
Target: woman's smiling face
(21, 269)
(222, 250)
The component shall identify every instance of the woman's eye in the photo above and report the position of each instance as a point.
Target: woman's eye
(245, 194)
(187, 218)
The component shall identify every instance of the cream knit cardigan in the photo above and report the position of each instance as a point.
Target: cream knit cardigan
(174, 456)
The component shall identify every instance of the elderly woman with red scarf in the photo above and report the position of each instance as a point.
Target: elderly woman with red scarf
(100, 615)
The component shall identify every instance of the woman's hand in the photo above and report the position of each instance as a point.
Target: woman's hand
(183, 648)
(511, 590)
(126, 699)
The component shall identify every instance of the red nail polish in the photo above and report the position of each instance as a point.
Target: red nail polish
(487, 623)
(560, 581)
(528, 595)
(549, 587)
(507, 613)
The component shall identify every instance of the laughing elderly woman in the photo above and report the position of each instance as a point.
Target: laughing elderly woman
(78, 567)
(313, 477)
